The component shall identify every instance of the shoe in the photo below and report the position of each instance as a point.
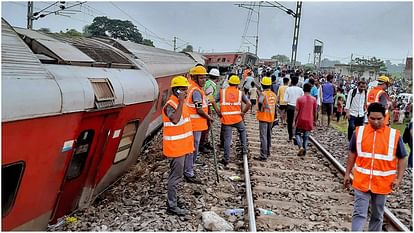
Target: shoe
(180, 204)
(260, 158)
(301, 152)
(208, 146)
(295, 142)
(176, 210)
(224, 162)
(203, 149)
(192, 179)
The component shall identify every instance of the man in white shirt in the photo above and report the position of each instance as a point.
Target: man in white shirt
(355, 107)
(292, 93)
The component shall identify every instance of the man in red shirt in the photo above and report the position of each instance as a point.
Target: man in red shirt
(305, 118)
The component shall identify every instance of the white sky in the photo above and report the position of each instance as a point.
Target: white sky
(381, 29)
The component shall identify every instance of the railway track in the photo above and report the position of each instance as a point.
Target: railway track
(294, 193)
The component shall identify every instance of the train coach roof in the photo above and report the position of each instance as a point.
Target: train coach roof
(160, 62)
(32, 89)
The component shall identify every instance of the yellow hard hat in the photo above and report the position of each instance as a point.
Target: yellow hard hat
(383, 78)
(234, 79)
(198, 70)
(179, 81)
(266, 81)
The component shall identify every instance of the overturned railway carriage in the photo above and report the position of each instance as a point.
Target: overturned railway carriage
(163, 65)
(75, 115)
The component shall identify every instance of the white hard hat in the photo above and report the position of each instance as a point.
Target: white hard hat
(214, 72)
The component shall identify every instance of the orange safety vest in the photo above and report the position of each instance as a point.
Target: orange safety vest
(199, 122)
(178, 138)
(268, 107)
(230, 105)
(373, 96)
(376, 164)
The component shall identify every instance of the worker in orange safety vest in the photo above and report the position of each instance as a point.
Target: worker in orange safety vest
(231, 100)
(198, 107)
(266, 115)
(377, 158)
(378, 95)
(178, 139)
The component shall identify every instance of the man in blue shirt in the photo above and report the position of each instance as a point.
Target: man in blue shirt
(328, 91)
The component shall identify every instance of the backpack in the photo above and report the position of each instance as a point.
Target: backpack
(354, 91)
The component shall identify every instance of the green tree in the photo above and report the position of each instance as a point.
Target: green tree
(45, 30)
(117, 29)
(189, 48)
(148, 42)
(71, 32)
(281, 58)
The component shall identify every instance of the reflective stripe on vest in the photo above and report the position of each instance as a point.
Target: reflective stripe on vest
(178, 138)
(387, 157)
(375, 166)
(230, 108)
(268, 109)
(198, 122)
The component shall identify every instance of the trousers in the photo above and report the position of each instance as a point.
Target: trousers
(175, 177)
(228, 137)
(290, 113)
(360, 213)
(265, 129)
(353, 122)
(302, 137)
(190, 158)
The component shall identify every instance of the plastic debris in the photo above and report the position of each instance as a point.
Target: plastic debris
(235, 212)
(70, 220)
(235, 178)
(265, 212)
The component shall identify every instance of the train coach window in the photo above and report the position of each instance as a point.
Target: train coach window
(11, 176)
(128, 136)
(80, 154)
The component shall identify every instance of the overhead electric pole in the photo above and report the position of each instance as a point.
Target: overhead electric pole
(175, 43)
(296, 33)
(30, 15)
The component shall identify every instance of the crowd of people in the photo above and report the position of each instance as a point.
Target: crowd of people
(292, 99)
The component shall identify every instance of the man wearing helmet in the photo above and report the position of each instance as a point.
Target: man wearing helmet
(231, 100)
(198, 108)
(210, 89)
(178, 139)
(266, 115)
(378, 94)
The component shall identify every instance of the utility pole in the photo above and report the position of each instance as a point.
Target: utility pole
(175, 43)
(257, 30)
(296, 33)
(30, 15)
(350, 65)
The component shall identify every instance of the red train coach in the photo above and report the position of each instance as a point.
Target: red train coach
(75, 114)
(163, 65)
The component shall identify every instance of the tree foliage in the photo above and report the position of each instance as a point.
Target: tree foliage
(71, 32)
(373, 61)
(281, 58)
(189, 48)
(117, 29)
(45, 30)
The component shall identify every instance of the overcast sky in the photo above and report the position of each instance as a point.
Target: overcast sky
(381, 29)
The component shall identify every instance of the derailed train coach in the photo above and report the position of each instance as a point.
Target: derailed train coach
(75, 114)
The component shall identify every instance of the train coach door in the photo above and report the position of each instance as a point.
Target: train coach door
(91, 140)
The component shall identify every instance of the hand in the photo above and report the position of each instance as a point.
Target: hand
(210, 119)
(182, 96)
(347, 181)
(348, 116)
(219, 114)
(314, 123)
(242, 114)
(395, 184)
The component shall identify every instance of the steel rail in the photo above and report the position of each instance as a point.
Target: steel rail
(390, 216)
(249, 196)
